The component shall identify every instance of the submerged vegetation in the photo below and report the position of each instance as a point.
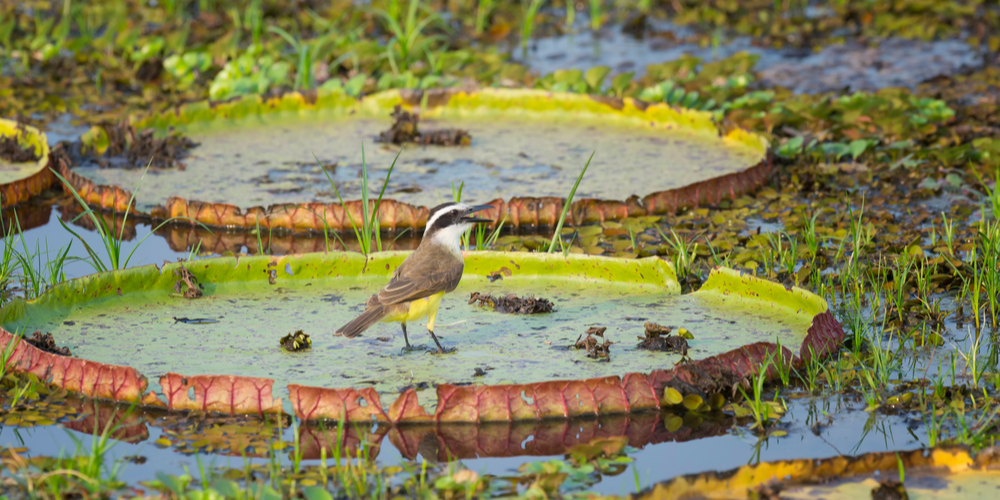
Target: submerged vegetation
(885, 202)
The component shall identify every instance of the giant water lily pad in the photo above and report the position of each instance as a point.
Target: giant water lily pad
(24, 169)
(136, 318)
(267, 159)
(525, 143)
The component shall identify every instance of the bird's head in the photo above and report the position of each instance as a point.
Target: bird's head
(447, 222)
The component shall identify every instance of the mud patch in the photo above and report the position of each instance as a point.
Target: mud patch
(658, 338)
(12, 150)
(294, 342)
(404, 130)
(512, 304)
(47, 343)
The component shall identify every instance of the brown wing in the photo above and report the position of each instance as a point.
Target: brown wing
(434, 272)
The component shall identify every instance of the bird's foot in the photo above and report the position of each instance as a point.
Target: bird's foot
(443, 350)
(411, 348)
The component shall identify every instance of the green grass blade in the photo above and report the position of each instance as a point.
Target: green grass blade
(99, 223)
(569, 201)
(378, 202)
(287, 36)
(341, 200)
(365, 222)
(160, 226)
(96, 263)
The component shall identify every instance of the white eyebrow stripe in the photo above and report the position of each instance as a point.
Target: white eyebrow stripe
(434, 218)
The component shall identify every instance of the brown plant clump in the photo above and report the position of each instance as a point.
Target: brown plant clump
(129, 148)
(47, 343)
(512, 304)
(404, 130)
(889, 489)
(658, 338)
(150, 70)
(765, 492)
(12, 150)
(595, 349)
(188, 281)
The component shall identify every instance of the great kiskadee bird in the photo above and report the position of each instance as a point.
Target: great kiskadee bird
(433, 269)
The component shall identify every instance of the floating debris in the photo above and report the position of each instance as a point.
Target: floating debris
(595, 349)
(193, 288)
(404, 130)
(13, 151)
(195, 321)
(658, 338)
(512, 304)
(297, 341)
(272, 274)
(499, 274)
(47, 343)
(129, 148)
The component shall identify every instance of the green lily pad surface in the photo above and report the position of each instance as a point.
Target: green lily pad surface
(270, 158)
(235, 327)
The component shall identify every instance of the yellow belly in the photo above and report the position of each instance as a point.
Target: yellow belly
(420, 308)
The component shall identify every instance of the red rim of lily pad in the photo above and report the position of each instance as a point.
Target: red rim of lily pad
(439, 442)
(395, 215)
(593, 397)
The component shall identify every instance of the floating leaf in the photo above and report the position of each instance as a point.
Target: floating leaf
(672, 397)
(693, 402)
(595, 77)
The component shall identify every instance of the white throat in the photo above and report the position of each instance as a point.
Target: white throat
(451, 237)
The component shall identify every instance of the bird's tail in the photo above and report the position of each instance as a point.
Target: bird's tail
(368, 318)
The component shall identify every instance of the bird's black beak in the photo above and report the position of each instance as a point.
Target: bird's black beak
(472, 210)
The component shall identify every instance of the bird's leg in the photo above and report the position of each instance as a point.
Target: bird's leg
(440, 349)
(430, 329)
(405, 338)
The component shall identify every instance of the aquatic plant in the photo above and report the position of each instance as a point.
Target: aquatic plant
(566, 205)
(307, 54)
(185, 67)
(596, 14)
(684, 251)
(529, 9)
(483, 10)
(40, 269)
(369, 233)
(408, 39)
(106, 230)
(250, 73)
(8, 266)
(761, 410)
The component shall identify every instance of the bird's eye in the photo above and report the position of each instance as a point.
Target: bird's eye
(455, 212)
